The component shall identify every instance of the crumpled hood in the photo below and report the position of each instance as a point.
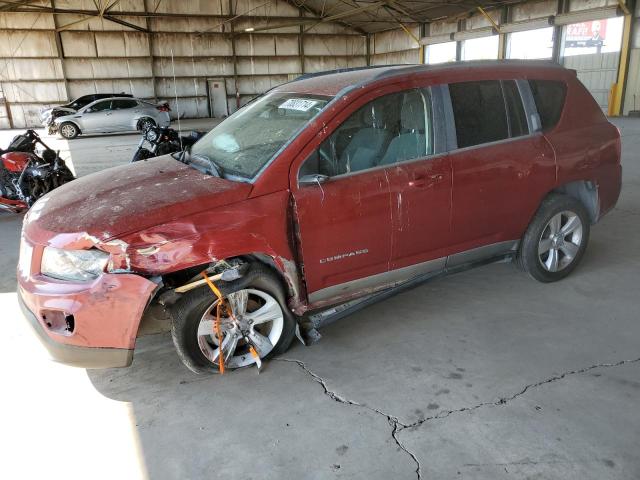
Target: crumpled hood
(126, 199)
(47, 112)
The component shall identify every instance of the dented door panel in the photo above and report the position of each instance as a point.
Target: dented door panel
(344, 228)
(497, 188)
(421, 204)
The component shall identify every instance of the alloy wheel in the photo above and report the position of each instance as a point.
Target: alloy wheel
(68, 130)
(560, 241)
(249, 317)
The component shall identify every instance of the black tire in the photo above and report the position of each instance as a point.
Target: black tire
(187, 312)
(530, 259)
(145, 123)
(69, 130)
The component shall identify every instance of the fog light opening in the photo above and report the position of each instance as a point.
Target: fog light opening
(71, 323)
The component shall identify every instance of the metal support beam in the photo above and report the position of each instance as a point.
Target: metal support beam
(233, 54)
(616, 108)
(461, 27)
(331, 18)
(151, 54)
(505, 17)
(369, 36)
(495, 26)
(556, 51)
(9, 6)
(424, 31)
(60, 52)
(301, 44)
(7, 107)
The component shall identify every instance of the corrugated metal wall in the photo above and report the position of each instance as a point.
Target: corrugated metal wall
(597, 72)
(190, 39)
(395, 47)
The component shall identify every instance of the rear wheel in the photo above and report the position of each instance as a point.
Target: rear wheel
(69, 130)
(253, 313)
(556, 239)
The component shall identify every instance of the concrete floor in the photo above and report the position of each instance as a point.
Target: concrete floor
(485, 375)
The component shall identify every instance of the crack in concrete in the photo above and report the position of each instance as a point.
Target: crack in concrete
(504, 400)
(398, 426)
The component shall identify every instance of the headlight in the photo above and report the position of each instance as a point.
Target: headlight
(78, 265)
(151, 134)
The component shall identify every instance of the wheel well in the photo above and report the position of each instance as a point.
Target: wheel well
(586, 192)
(289, 279)
(72, 123)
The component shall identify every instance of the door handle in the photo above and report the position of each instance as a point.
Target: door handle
(426, 180)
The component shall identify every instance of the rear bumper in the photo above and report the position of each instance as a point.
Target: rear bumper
(76, 356)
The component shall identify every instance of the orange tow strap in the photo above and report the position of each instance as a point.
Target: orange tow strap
(216, 325)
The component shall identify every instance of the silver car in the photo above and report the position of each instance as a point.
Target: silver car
(118, 114)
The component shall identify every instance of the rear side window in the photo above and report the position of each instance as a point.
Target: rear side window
(120, 104)
(479, 112)
(515, 109)
(549, 96)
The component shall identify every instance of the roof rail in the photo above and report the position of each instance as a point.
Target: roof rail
(305, 76)
(413, 68)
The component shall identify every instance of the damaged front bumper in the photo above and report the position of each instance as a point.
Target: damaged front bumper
(90, 324)
(76, 356)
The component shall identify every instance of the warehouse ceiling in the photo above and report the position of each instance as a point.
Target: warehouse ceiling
(366, 16)
(377, 15)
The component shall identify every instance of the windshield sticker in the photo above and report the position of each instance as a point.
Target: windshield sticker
(300, 104)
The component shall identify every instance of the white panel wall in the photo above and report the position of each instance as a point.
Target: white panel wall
(175, 59)
(395, 47)
(597, 72)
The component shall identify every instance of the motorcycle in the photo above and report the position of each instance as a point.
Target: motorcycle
(162, 141)
(26, 176)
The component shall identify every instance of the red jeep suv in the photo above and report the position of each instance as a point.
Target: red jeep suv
(329, 188)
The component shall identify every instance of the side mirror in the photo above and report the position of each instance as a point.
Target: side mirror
(314, 179)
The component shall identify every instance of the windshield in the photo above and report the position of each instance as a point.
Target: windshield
(248, 139)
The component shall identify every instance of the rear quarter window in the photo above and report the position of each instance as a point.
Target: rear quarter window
(122, 104)
(549, 96)
(479, 112)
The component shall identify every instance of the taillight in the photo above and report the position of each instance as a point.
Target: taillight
(164, 107)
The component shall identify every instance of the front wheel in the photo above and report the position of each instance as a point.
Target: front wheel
(142, 154)
(145, 124)
(556, 239)
(253, 313)
(69, 130)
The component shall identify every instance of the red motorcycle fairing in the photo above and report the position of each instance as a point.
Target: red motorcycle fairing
(16, 206)
(15, 162)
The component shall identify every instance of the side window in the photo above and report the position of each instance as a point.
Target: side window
(121, 104)
(101, 106)
(549, 96)
(390, 129)
(515, 109)
(479, 112)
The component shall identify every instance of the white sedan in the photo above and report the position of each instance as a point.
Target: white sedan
(118, 114)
